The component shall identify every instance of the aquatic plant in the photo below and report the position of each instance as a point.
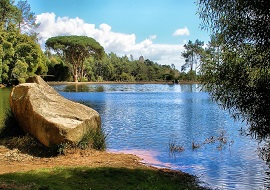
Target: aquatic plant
(173, 147)
(195, 146)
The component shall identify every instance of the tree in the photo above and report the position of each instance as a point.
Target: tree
(57, 69)
(27, 19)
(192, 54)
(236, 65)
(20, 57)
(9, 14)
(74, 50)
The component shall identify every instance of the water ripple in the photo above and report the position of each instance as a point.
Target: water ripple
(145, 119)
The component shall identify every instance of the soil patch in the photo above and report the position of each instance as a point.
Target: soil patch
(16, 161)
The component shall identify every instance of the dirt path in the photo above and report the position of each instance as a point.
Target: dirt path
(15, 161)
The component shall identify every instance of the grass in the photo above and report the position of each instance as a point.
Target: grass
(97, 178)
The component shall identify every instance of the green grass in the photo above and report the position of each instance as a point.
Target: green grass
(97, 178)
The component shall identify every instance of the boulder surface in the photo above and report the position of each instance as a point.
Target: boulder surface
(48, 116)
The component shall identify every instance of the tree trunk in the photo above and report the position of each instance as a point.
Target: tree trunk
(75, 75)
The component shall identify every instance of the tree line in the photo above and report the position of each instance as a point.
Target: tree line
(83, 59)
(22, 57)
(115, 68)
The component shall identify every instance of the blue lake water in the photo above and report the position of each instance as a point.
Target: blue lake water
(145, 119)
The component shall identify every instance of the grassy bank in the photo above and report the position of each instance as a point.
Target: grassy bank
(97, 178)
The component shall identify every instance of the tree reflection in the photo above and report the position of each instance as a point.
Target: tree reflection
(84, 88)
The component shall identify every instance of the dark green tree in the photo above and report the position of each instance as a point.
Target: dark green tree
(236, 65)
(192, 54)
(57, 70)
(74, 50)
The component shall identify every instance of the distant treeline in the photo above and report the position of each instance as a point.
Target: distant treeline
(114, 68)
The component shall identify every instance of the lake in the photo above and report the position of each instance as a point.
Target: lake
(177, 127)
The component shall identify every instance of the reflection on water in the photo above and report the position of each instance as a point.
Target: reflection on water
(127, 88)
(144, 119)
(80, 88)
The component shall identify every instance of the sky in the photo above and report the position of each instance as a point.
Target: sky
(155, 29)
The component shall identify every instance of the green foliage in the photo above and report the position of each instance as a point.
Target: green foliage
(10, 127)
(9, 15)
(189, 76)
(114, 68)
(20, 71)
(236, 65)
(95, 139)
(57, 70)
(21, 57)
(27, 19)
(239, 22)
(74, 50)
(99, 178)
(192, 54)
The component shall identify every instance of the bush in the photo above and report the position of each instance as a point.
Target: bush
(10, 126)
(95, 139)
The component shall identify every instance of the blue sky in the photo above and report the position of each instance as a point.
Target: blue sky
(156, 29)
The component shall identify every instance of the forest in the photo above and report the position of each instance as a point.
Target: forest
(21, 57)
(115, 68)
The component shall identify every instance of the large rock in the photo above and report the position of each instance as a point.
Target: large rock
(48, 116)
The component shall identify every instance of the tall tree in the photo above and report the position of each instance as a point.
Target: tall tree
(9, 14)
(74, 50)
(20, 57)
(27, 19)
(192, 54)
(238, 74)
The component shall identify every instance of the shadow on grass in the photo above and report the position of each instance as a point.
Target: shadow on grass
(98, 178)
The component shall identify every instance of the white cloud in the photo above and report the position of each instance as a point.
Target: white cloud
(181, 32)
(119, 43)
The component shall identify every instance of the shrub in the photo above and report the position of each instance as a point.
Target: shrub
(10, 126)
(95, 139)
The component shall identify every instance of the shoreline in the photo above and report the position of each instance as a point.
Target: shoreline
(113, 82)
(15, 162)
(119, 82)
